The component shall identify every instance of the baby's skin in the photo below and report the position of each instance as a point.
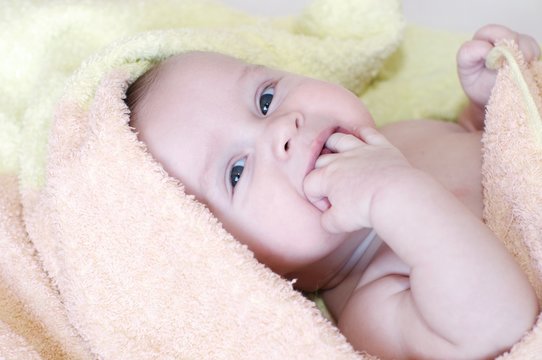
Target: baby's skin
(295, 168)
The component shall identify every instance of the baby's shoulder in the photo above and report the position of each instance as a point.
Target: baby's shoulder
(447, 151)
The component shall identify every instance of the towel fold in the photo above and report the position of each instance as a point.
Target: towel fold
(512, 170)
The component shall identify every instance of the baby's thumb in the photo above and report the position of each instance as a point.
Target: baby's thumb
(314, 189)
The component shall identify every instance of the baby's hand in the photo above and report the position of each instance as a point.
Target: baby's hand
(351, 176)
(476, 79)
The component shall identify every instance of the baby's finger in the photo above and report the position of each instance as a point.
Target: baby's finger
(471, 56)
(322, 204)
(314, 187)
(493, 33)
(529, 47)
(324, 160)
(372, 136)
(340, 142)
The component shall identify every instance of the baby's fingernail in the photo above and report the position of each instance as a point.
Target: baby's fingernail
(322, 204)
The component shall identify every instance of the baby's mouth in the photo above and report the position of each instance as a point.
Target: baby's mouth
(321, 141)
(325, 151)
(339, 130)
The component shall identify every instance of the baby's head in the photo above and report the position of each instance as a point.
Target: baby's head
(242, 138)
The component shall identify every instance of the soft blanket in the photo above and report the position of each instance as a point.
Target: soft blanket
(105, 256)
(512, 171)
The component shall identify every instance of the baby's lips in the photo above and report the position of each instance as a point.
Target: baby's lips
(325, 151)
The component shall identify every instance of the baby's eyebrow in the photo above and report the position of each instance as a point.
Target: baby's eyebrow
(207, 175)
(249, 70)
(204, 179)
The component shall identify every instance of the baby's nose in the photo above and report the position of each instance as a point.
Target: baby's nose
(284, 132)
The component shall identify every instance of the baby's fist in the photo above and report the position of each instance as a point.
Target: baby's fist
(349, 178)
(477, 80)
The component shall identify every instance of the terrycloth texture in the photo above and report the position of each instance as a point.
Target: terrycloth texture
(103, 255)
(512, 171)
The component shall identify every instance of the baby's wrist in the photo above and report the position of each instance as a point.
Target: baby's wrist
(472, 117)
(402, 192)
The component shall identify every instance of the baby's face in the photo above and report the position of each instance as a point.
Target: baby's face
(242, 138)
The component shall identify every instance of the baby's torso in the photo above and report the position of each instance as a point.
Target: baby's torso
(447, 152)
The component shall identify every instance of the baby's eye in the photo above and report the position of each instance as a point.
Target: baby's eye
(236, 171)
(265, 99)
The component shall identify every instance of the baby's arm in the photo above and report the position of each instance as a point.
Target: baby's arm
(477, 80)
(465, 296)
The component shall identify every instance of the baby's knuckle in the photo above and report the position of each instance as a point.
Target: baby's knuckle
(327, 171)
(485, 31)
(340, 141)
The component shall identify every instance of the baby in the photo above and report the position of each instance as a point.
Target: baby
(385, 223)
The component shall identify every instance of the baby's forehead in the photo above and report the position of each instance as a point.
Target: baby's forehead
(203, 72)
(202, 59)
(196, 70)
(194, 78)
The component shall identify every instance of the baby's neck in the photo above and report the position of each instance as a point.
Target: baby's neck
(359, 260)
(340, 287)
(332, 268)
